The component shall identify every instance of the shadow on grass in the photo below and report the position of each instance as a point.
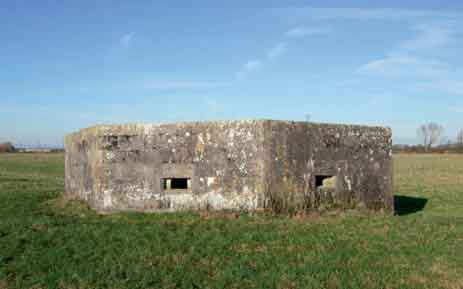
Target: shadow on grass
(404, 205)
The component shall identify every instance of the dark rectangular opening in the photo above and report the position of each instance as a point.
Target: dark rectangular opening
(176, 183)
(325, 181)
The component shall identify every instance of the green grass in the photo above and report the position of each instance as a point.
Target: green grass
(48, 243)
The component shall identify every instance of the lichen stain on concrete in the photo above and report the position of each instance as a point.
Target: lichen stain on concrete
(230, 165)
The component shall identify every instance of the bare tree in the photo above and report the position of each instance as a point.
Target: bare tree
(430, 133)
(460, 138)
(307, 116)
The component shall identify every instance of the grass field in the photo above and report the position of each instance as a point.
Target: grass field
(47, 243)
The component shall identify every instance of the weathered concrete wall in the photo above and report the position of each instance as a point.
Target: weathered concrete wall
(83, 166)
(359, 157)
(122, 167)
(230, 165)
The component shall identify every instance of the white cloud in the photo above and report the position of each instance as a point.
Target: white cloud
(385, 64)
(252, 65)
(418, 60)
(182, 84)
(403, 66)
(422, 74)
(126, 39)
(249, 66)
(302, 31)
(298, 14)
(256, 64)
(428, 37)
(277, 50)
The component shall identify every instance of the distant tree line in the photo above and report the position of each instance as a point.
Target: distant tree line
(8, 147)
(433, 141)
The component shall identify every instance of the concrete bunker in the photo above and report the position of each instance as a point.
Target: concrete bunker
(237, 165)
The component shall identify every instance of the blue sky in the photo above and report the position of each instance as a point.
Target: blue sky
(72, 64)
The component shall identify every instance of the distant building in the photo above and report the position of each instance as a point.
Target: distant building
(237, 165)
